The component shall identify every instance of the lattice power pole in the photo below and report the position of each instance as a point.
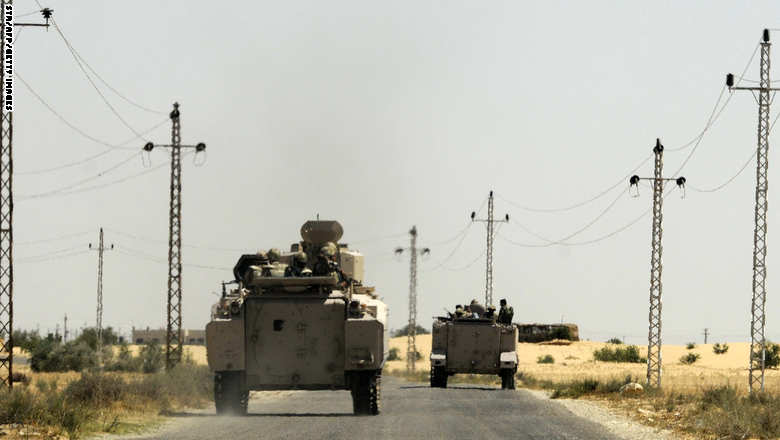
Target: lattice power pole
(6, 187)
(654, 359)
(173, 339)
(99, 313)
(758, 304)
(491, 235)
(411, 332)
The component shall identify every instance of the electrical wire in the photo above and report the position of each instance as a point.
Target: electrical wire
(78, 55)
(51, 239)
(54, 257)
(583, 203)
(142, 255)
(82, 181)
(89, 78)
(112, 183)
(149, 240)
(698, 142)
(739, 172)
(454, 237)
(460, 242)
(27, 14)
(86, 159)
(382, 238)
(80, 131)
(52, 253)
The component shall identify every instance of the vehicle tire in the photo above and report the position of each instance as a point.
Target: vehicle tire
(230, 396)
(366, 390)
(507, 380)
(438, 377)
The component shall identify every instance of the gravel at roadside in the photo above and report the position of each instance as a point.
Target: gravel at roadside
(614, 423)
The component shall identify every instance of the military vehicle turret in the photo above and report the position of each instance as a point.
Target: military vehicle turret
(465, 345)
(304, 321)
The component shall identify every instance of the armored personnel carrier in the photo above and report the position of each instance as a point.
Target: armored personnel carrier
(289, 326)
(473, 346)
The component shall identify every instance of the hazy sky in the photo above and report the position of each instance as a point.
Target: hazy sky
(385, 115)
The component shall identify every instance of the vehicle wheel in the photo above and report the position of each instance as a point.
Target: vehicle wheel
(230, 397)
(366, 389)
(439, 377)
(507, 380)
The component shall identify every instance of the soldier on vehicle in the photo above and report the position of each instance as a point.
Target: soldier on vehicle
(458, 311)
(325, 264)
(477, 308)
(490, 313)
(298, 267)
(506, 313)
(274, 267)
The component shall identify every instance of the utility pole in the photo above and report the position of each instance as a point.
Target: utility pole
(99, 315)
(411, 329)
(6, 187)
(654, 333)
(491, 235)
(758, 303)
(65, 329)
(706, 335)
(173, 339)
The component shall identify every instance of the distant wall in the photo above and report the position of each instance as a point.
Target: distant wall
(190, 337)
(547, 332)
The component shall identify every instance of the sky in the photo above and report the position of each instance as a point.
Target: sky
(385, 115)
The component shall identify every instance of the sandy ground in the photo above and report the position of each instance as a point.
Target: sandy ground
(575, 361)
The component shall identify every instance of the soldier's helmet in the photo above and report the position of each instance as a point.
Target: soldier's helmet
(503, 302)
(328, 249)
(491, 308)
(262, 255)
(274, 254)
(300, 258)
(458, 308)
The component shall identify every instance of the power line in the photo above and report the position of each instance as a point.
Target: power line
(82, 181)
(49, 240)
(89, 78)
(108, 184)
(150, 240)
(741, 169)
(79, 130)
(53, 257)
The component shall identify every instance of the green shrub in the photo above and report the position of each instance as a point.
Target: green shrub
(615, 341)
(690, 345)
(690, 358)
(772, 355)
(629, 353)
(152, 358)
(125, 361)
(50, 356)
(546, 359)
(720, 349)
(393, 354)
(578, 388)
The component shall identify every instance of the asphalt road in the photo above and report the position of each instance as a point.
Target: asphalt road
(409, 411)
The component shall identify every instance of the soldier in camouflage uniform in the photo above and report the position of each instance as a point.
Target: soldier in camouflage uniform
(298, 267)
(325, 264)
(506, 313)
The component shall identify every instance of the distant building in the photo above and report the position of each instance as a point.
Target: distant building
(190, 337)
(547, 332)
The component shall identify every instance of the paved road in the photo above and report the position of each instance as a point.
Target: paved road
(409, 411)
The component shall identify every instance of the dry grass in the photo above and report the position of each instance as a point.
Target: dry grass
(575, 362)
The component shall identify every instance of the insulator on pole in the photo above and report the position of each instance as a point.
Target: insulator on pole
(680, 181)
(634, 180)
(730, 80)
(766, 36)
(659, 148)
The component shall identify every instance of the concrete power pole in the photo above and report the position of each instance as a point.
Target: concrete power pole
(99, 313)
(491, 235)
(6, 188)
(173, 340)
(411, 332)
(65, 329)
(654, 359)
(758, 303)
(706, 335)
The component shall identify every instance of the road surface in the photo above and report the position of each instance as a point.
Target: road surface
(409, 411)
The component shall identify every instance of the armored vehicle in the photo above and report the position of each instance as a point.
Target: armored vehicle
(290, 324)
(473, 346)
